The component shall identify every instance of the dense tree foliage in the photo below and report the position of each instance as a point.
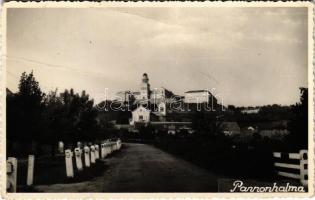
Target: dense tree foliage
(34, 118)
(207, 124)
(24, 112)
(298, 125)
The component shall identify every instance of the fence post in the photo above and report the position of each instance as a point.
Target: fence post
(87, 156)
(11, 174)
(79, 144)
(118, 144)
(69, 166)
(304, 167)
(97, 152)
(110, 150)
(103, 150)
(30, 170)
(78, 160)
(106, 149)
(92, 154)
(60, 147)
(110, 147)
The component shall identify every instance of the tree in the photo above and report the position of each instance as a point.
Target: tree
(36, 118)
(71, 118)
(24, 109)
(207, 124)
(78, 117)
(298, 126)
(231, 107)
(53, 117)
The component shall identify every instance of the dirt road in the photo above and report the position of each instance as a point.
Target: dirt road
(143, 168)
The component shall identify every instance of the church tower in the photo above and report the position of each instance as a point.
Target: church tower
(145, 88)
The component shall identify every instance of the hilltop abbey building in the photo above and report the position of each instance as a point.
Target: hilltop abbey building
(154, 106)
(145, 94)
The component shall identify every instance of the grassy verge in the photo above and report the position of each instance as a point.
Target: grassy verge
(53, 171)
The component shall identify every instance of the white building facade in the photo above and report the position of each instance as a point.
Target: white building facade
(140, 115)
(197, 96)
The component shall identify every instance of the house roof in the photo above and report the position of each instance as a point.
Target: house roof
(141, 106)
(197, 91)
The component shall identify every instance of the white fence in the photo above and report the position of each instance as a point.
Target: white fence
(90, 155)
(300, 165)
(11, 174)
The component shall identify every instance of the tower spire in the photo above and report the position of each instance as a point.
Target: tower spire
(145, 87)
(145, 78)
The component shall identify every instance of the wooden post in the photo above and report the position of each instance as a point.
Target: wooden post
(92, 154)
(87, 156)
(79, 144)
(11, 174)
(118, 144)
(60, 147)
(30, 170)
(97, 152)
(69, 166)
(304, 167)
(106, 149)
(78, 160)
(103, 151)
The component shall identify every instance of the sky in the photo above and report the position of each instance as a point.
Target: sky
(246, 56)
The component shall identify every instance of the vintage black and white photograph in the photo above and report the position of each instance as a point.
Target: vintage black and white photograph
(158, 98)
